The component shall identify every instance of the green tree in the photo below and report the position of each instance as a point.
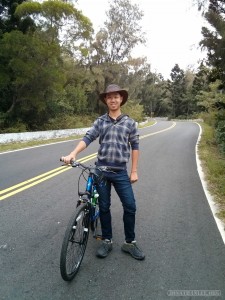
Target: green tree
(60, 20)
(209, 100)
(111, 50)
(201, 80)
(177, 89)
(189, 106)
(154, 95)
(37, 57)
(214, 38)
(122, 30)
(75, 88)
(212, 100)
(9, 21)
(29, 77)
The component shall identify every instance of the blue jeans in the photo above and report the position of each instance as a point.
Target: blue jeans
(121, 182)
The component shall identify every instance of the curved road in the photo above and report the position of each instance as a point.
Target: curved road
(185, 253)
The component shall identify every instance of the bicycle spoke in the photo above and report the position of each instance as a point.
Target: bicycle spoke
(75, 243)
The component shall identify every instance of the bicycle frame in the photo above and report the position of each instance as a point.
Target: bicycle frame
(90, 195)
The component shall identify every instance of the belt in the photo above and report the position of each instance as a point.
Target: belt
(110, 168)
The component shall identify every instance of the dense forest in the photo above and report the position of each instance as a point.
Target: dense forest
(53, 67)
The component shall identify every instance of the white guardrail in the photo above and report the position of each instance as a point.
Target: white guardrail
(7, 138)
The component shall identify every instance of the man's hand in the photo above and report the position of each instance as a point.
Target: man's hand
(67, 159)
(133, 177)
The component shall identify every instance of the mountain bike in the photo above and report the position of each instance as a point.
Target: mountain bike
(84, 219)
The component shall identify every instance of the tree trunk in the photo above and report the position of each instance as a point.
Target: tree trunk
(12, 106)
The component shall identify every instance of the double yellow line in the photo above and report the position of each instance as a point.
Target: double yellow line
(45, 176)
(38, 179)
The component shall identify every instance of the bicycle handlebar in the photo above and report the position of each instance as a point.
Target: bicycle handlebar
(76, 164)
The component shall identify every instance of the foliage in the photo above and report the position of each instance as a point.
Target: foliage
(155, 96)
(212, 100)
(220, 130)
(64, 121)
(26, 61)
(16, 127)
(110, 59)
(177, 89)
(9, 21)
(135, 111)
(201, 79)
(36, 57)
(208, 100)
(60, 20)
(214, 165)
(214, 37)
(122, 30)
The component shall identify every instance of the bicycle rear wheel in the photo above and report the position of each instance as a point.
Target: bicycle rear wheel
(75, 242)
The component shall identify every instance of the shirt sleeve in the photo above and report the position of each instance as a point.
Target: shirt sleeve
(92, 133)
(134, 137)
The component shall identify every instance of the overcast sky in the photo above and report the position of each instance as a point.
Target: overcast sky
(173, 31)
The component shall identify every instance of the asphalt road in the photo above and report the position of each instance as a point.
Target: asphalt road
(175, 227)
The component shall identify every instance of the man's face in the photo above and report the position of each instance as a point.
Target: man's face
(113, 100)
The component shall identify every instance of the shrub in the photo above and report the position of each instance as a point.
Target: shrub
(69, 122)
(135, 111)
(220, 129)
(15, 128)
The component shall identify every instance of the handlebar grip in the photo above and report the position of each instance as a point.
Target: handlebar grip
(71, 162)
(75, 163)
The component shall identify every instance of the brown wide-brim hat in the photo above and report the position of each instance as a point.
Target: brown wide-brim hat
(114, 88)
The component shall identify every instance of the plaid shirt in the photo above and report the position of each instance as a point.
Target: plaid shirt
(116, 137)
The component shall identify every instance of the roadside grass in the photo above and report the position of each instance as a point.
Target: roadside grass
(213, 164)
(150, 123)
(21, 145)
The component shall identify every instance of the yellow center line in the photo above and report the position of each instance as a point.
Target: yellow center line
(29, 180)
(45, 176)
(32, 184)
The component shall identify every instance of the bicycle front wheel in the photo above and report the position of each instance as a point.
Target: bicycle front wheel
(75, 242)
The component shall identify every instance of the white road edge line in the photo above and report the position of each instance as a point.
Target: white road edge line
(38, 146)
(213, 205)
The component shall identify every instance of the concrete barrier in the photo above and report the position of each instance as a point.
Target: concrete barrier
(7, 138)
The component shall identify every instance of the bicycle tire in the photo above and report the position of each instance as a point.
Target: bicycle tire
(75, 242)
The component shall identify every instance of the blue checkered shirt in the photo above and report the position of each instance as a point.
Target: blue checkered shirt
(116, 137)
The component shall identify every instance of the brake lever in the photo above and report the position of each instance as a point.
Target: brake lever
(74, 164)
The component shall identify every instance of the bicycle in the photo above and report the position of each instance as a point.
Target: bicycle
(85, 217)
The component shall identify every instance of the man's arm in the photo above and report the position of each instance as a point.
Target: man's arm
(134, 165)
(89, 137)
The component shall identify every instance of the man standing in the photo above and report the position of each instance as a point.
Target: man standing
(117, 134)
